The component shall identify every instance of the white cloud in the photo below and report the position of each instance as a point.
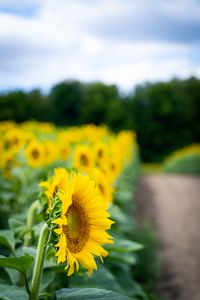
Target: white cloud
(57, 43)
(149, 70)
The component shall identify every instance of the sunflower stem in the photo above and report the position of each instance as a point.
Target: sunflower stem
(30, 221)
(39, 261)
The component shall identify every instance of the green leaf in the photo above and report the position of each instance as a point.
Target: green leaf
(7, 239)
(122, 245)
(118, 258)
(47, 277)
(30, 251)
(125, 278)
(4, 277)
(8, 292)
(15, 223)
(124, 223)
(88, 294)
(103, 278)
(18, 226)
(13, 275)
(20, 263)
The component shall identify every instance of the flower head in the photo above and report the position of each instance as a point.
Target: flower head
(35, 154)
(83, 158)
(82, 223)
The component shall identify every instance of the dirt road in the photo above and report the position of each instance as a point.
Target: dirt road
(172, 203)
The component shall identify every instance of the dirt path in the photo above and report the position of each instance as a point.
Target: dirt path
(172, 203)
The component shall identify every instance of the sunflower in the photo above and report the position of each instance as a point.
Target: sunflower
(125, 140)
(82, 224)
(50, 151)
(35, 154)
(14, 139)
(103, 184)
(115, 166)
(8, 160)
(63, 151)
(57, 182)
(101, 152)
(83, 158)
(1, 152)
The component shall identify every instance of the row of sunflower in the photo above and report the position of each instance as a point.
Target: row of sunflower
(65, 196)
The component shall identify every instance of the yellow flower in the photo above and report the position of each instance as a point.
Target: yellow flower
(14, 139)
(126, 140)
(103, 184)
(35, 154)
(115, 166)
(57, 182)
(101, 152)
(63, 151)
(83, 158)
(50, 151)
(82, 224)
(1, 153)
(8, 160)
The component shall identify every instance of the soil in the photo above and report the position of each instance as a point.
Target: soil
(172, 204)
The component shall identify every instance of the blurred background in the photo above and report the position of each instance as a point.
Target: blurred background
(127, 64)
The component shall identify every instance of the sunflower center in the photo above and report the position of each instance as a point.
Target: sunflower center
(15, 141)
(100, 153)
(77, 228)
(101, 188)
(35, 153)
(83, 160)
(112, 167)
(64, 151)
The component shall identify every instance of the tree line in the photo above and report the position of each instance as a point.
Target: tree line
(165, 115)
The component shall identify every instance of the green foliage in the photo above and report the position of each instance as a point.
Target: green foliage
(147, 269)
(21, 263)
(13, 106)
(7, 239)
(8, 292)
(87, 294)
(123, 246)
(67, 100)
(165, 115)
(188, 164)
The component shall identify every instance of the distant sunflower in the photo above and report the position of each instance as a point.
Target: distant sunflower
(57, 182)
(63, 151)
(103, 184)
(82, 224)
(14, 139)
(115, 162)
(115, 166)
(101, 152)
(50, 151)
(83, 158)
(8, 160)
(35, 154)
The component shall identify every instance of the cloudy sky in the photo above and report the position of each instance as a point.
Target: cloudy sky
(125, 42)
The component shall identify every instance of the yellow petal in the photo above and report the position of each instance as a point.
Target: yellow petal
(86, 259)
(58, 230)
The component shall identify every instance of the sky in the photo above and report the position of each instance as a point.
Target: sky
(123, 42)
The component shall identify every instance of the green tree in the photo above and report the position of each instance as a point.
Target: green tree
(98, 97)
(166, 116)
(67, 100)
(13, 106)
(39, 106)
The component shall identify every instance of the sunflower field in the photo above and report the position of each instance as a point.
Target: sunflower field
(67, 212)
